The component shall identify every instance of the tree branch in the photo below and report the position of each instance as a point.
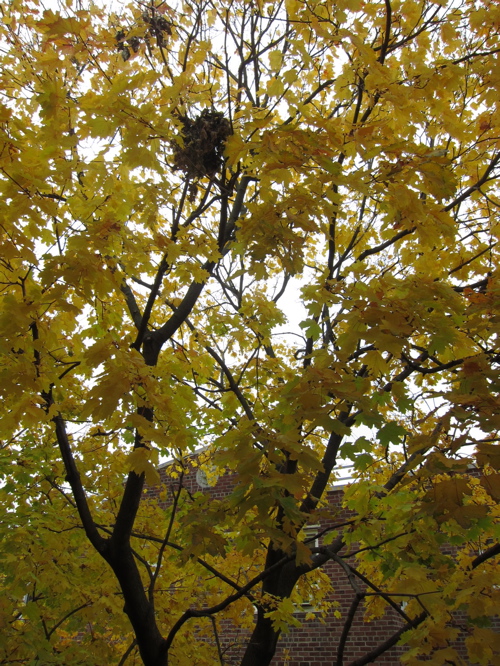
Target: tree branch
(469, 261)
(387, 34)
(127, 652)
(328, 462)
(206, 612)
(133, 308)
(408, 464)
(386, 645)
(162, 269)
(173, 507)
(159, 337)
(347, 628)
(490, 552)
(68, 615)
(73, 478)
(473, 188)
(386, 244)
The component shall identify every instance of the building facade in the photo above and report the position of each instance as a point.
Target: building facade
(315, 643)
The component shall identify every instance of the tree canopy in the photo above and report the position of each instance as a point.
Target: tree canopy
(268, 231)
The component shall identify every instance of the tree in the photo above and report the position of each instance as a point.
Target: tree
(175, 179)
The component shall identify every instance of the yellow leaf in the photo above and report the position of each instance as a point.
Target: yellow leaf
(140, 464)
(275, 59)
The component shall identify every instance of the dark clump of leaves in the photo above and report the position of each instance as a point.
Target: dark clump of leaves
(199, 153)
(123, 45)
(157, 27)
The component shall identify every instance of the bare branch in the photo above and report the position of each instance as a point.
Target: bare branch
(386, 244)
(386, 645)
(133, 308)
(473, 188)
(67, 616)
(387, 34)
(492, 551)
(127, 653)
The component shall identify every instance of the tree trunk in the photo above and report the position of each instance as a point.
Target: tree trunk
(262, 645)
(137, 606)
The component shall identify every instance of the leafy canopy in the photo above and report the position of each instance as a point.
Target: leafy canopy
(181, 184)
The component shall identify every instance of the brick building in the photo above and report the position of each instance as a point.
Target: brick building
(315, 643)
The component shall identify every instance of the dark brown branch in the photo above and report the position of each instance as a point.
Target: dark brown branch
(232, 383)
(386, 597)
(175, 546)
(347, 628)
(309, 98)
(413, 35)
(182, 311)
(404, 374)
(473, 188)
(131, 495)
(57, 197)
(173, 508)
(469, 261)
(350, 573)
(480, 286)
(158, 338)
(490, 552)
(72, 474)
(328, 462)
(127, 652)
(386, 645)
(143, 326)
(67, 616)
(244, 591)
(73, 478)
(71, 367)
(357, 109)
(133, 308)
(475, 54)
(408, 464)
(337, 266)
(378, 545)
(441, 367)
(387, 34)
(386, 244)
(220, 653)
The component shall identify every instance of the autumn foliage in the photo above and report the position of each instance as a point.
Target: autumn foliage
(268, 231)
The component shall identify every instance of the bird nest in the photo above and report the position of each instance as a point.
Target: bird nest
(199, 151)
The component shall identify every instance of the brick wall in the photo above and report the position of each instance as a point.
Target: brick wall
(315, 643)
